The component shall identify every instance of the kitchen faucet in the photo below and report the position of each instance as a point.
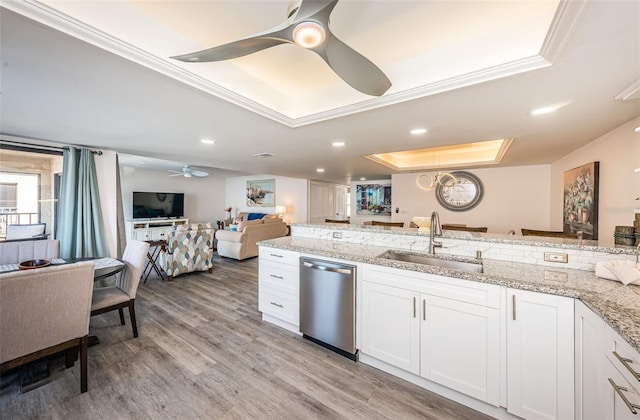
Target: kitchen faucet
(434, 230)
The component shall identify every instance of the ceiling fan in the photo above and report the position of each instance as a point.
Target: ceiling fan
(189, 172)
(307, 25)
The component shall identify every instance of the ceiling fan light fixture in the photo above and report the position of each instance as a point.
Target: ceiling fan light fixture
(309, 34)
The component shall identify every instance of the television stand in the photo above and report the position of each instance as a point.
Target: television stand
(152, 229)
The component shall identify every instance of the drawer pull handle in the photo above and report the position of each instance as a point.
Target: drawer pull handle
(277, 255)
(626, 362)
(513, 298)
(277, 304)
(276, 277)
(424, 309)
(631, 406)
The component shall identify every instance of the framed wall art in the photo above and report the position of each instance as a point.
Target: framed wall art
(261, 193)
(580, 212)
(373, 199)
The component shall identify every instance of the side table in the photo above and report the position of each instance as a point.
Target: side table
(156, 248)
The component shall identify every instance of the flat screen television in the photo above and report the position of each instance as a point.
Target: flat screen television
(148, 205)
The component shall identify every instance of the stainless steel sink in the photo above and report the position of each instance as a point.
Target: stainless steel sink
(453, 264)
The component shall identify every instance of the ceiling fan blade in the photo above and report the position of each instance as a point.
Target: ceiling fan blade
(352, 67)
(319, 10)
(281, 34)
(176, 174)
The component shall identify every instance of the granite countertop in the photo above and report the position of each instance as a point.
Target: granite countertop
(566, 243)
(617, 304)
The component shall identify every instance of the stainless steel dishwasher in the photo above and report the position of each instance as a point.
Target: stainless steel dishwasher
(328, 305)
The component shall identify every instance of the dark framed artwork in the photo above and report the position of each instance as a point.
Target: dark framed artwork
(373, 199)
(580, 213)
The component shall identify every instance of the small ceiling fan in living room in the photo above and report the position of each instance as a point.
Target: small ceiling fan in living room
(307, 25)
(189, 172)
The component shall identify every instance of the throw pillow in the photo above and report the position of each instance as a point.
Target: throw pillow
(255, 216)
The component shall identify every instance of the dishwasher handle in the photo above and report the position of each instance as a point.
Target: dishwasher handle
(330, 269)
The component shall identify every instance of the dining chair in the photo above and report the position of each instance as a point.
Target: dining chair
(28, 231)
(548, 233)
(123, 294)
(464, 228)
(390, 224)
(44, 312)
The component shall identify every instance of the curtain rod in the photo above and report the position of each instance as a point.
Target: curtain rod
(14, 145)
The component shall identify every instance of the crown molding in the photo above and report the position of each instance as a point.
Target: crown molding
(562, 26)
(564, 21)
(630, 92)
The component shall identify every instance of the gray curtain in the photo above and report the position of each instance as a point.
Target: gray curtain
(80, 225)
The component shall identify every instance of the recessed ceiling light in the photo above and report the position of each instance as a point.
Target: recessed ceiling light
(418, 131)
(544, 110)
(363, 179)
(207, 141)
(320, 170)
(338, 144)
(637, 130)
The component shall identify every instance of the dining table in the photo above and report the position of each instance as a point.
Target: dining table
(104, 266)
(37, 373)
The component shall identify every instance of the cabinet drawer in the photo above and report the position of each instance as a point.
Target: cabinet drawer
(279, 276)
(280, 255)
(624, 357)
(280, 305)
(620, 396)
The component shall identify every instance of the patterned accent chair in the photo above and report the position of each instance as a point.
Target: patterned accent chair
(190, 248)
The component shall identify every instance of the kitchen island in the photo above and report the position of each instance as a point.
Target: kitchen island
(526, 339)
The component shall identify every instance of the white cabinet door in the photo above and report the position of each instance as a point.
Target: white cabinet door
(621, 399)
(141, 234)
(589, 364)
(391, 326)
(540, 361)
(460, 347)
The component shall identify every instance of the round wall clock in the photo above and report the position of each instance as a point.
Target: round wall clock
(464, 195)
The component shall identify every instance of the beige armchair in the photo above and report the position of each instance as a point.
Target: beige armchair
(190, 248)
(44, 312)
(242, 244)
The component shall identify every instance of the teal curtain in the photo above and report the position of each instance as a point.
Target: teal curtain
(80, 225)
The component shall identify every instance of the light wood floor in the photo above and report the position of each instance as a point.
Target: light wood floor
(203, 352)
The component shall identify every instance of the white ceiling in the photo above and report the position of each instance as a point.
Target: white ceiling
(466, 70)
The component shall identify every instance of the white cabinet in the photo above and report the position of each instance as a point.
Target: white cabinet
(621, 398)
(152, 230)
(622, 395)
(460, 346)
(445, 330)
(540, 343)
(590, 381)
(278, 287)
(390, 325)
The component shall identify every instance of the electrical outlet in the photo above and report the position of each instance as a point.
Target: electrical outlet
(558, 257)
(337, 235)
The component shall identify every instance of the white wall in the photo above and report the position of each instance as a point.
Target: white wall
(514, 198)
(619, 154)
(290, 192)
(204, 198)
